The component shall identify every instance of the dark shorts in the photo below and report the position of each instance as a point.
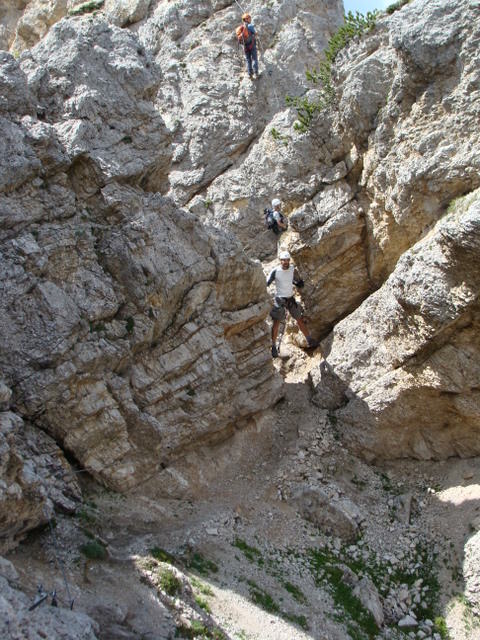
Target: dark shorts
(288, 304)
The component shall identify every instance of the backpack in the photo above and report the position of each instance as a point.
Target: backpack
(245, 37)
(269, 219)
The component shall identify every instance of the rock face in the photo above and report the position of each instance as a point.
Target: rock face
(16, 621)
(35, 479)
(471, 573)
(131, 328)
(128, 331)
(404, 366)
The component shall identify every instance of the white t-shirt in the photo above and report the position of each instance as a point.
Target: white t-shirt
(283, 280)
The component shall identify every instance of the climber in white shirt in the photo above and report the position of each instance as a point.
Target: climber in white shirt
(286, 277)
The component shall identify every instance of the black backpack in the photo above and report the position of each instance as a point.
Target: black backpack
(269, 219)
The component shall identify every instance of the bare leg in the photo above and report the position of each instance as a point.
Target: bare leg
(311, 342)
(275, 327)
(303, 327)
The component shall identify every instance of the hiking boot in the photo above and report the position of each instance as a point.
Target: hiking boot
(250, 75)
(312, 343)
(274, 351)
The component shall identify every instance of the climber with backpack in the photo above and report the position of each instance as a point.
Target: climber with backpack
(286, 277)
(246, 36)
(274, 218)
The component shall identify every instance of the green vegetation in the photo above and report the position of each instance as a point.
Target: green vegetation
(441, 627)
(94, 550)
(295, 592)
(86, 7)
(207, 203)
(300, 620)
(359, 621)
(278, 137)
(129, 324)
(202, 603)
(321, 76)
(162, 555)
(251, 553)
(396, 5)
(169, 582)
(462, 203)
(202, 565)
(262, 598)
(200, 586)
(198, 630)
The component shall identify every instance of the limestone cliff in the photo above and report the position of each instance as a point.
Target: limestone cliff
(133, 329)
(130, 332)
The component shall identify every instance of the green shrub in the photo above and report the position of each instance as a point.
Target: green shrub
(94, 550)
(202, 603)
(169, 583)
(396, 5)
(251, 553)
(262, 598)
(354, 26)
(202, 565)
(86, 7)
(162, 555)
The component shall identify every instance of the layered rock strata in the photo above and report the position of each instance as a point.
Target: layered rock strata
(128, 331)
(402, 370)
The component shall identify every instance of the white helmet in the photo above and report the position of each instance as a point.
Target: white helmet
(284, 255)
(276, 202)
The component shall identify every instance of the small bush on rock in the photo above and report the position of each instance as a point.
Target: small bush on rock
(354, 26)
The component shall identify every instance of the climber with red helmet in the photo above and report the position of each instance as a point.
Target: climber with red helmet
(246, 37)
(286, 277)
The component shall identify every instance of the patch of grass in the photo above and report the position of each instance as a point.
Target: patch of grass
(358, 620)
(295, 592)
(441, 628)
(94, 550)
(202, 603)
(198, 630)
(162, 555)
(169, 582)
(86, 7)
(207, 203)
(202, 565)
(127, 139)
(396, 5)
(251, 553)
(87, 515)
(203, 588)
(386, 481)
(300, 620)
(262, 598)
